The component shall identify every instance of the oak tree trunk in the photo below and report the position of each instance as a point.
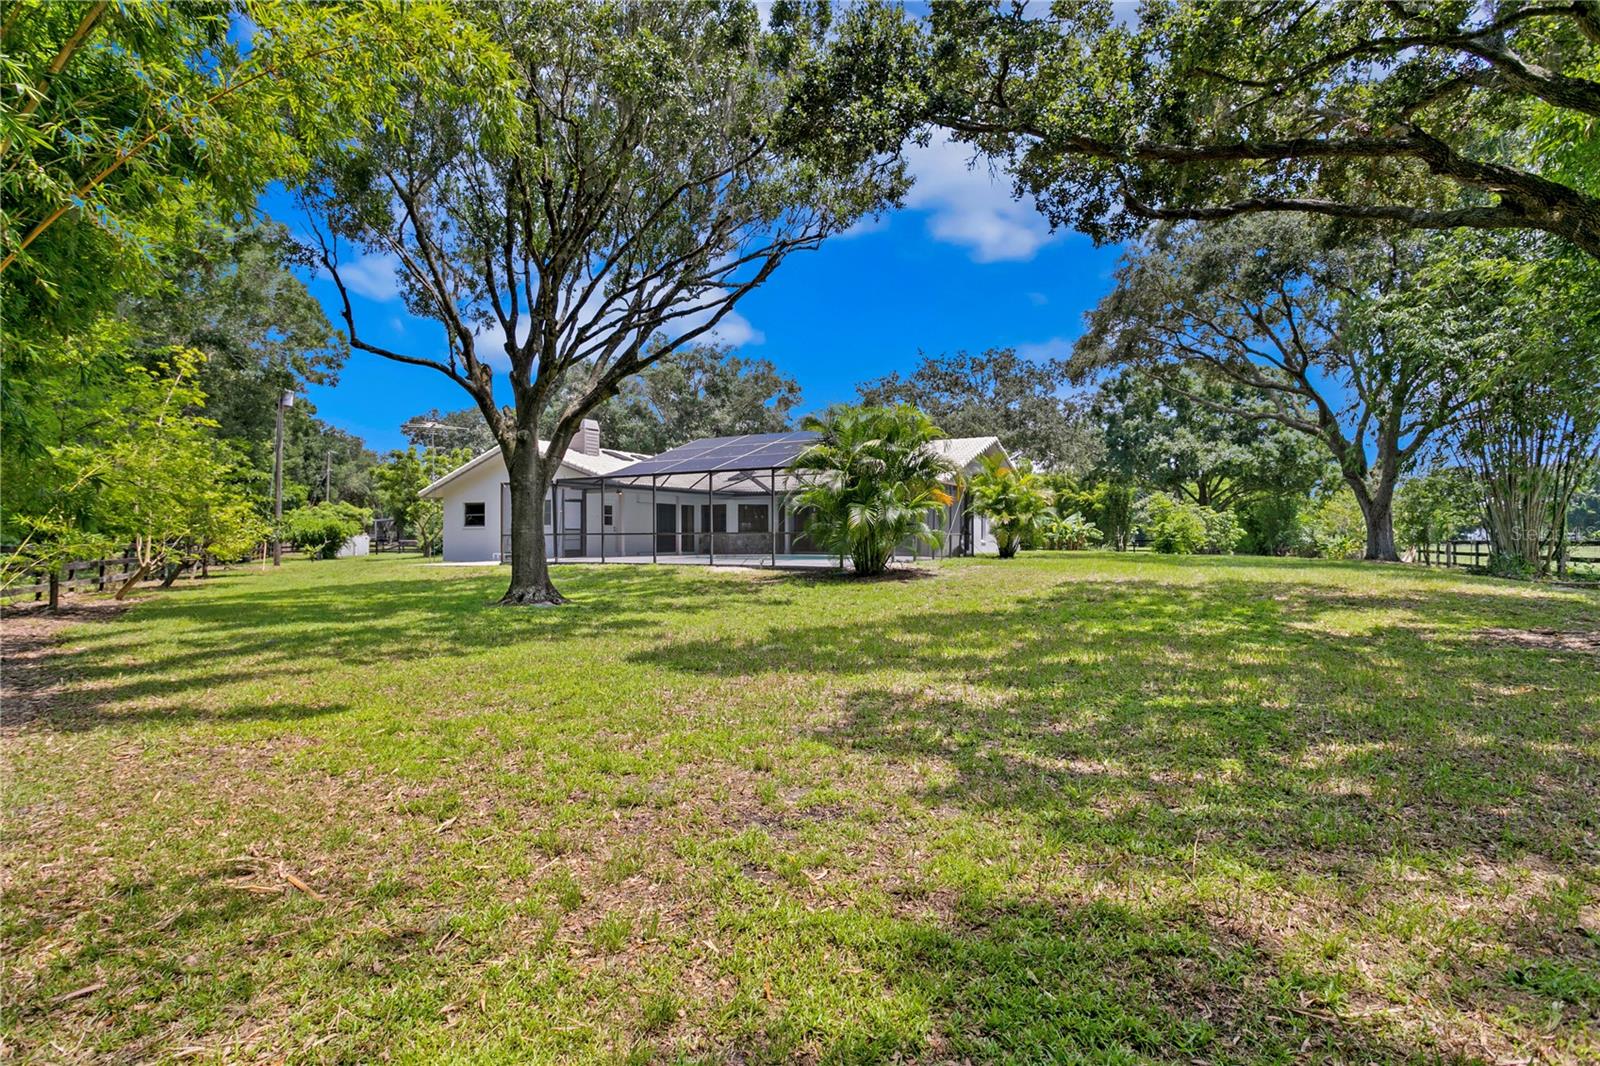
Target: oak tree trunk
(530, 567)
(1377, 511)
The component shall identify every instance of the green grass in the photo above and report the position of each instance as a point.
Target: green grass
(1069, 808)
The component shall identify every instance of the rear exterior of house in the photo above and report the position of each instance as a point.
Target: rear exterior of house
(477, 500)
(600, 509)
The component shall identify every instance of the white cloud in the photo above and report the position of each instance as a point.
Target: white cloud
(972, 207)
(1043, 351)
(734, 330)
(1038, 299)
(372, 276)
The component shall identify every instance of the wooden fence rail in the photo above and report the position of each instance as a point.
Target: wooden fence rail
(1476, 553)
(98, 574)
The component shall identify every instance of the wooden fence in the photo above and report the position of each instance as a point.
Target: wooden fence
(98, 574)
(1475, 553)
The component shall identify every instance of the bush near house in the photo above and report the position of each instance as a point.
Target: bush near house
(321, 530)
(1014, 499)
(871, 482)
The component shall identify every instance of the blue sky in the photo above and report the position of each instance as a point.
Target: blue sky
(963, 265)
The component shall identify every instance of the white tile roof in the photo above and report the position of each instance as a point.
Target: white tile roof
(608, 460)
(962, 452)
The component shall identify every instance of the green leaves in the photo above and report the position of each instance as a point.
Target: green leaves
(871, 482)
(1014, 499)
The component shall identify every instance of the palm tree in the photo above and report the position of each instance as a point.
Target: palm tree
(870, 482)
(1014, 499)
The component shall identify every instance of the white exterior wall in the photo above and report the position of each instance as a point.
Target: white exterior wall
(489, 485)
(463, 544)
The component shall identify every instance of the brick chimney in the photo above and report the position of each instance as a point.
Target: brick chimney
(588, 441)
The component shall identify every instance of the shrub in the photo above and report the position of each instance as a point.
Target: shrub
(320, 531)
(1273, 525)
(1223, 531)
(1072, 533)
(871, 482)
(1174, 527)
(1013, 498)
(1335, 529)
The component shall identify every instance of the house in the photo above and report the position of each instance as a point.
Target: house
(477, 497)
(717, 500)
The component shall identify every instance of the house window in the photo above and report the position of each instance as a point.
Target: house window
(547, 512)
(752, 518)
(719, 516)
(608, 514)
(472, 515)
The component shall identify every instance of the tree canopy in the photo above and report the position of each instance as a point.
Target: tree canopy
(700, 391)
(997, 393)
(1434, 116)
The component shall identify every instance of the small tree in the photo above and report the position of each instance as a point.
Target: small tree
(871, 482)
(1013, 498)
(1436, 506)
(400, 480)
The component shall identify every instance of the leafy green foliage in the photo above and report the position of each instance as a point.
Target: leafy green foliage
(1014, 499)
(1438, 505)
(1213, 441)
(1176, 526)
(1433, 116)
(997, 394)
(1071, 533)
(405, 474)
(462, 428)
(700, 391)
(871, 481)
(1106, 502)
(322, 529)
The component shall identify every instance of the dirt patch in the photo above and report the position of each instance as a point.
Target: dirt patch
(31, 666)
(1545, 639)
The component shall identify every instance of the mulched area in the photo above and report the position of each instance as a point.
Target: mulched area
(30, 666)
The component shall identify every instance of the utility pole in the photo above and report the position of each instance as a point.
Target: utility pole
(327, 478)
(285, 399)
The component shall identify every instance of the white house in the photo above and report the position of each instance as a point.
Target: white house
(722, 499)
(477, 497)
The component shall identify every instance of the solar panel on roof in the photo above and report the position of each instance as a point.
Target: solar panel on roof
(753, 451)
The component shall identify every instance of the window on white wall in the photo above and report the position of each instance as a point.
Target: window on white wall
(472, 514)
(608, 514)
(547, 512)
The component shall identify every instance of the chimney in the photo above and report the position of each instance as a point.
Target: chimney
(589, 437)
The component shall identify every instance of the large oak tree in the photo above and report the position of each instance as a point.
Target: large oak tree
(1323, 335)
(1431, 115)
(640, 174)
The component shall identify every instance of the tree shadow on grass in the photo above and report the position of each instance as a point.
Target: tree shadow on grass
(1279, 714)
(1016, 980)
(1264, 728)
(288, 632)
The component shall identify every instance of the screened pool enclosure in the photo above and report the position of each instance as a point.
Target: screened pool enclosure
(718, 501)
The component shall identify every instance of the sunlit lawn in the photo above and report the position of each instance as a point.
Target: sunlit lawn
(1066, 808)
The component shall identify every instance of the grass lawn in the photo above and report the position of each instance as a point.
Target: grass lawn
(1066, 808)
